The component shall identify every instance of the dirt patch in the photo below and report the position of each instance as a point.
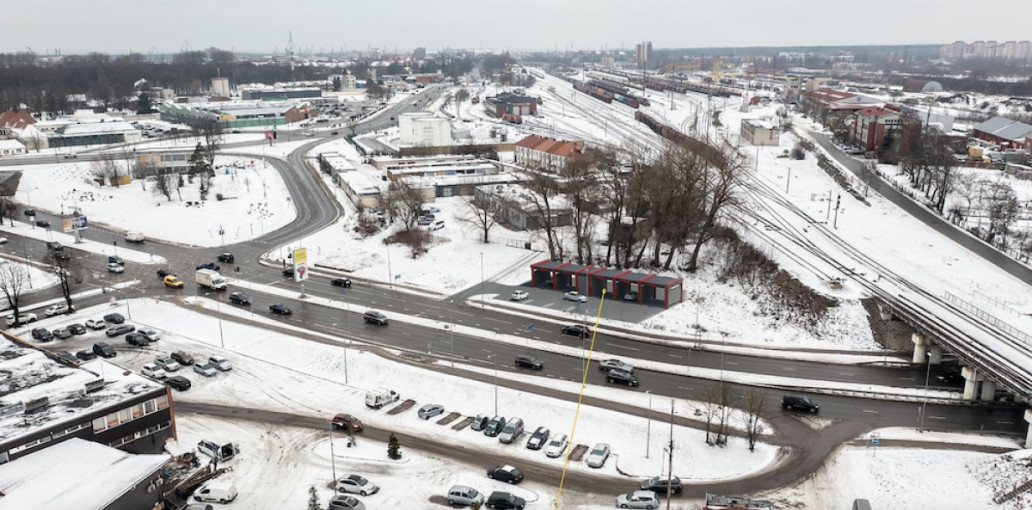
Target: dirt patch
(402, 407)
(437, 499)
(463, 424)
(578, 452)
(448, 419)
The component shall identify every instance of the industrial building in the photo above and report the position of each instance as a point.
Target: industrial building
(273, 94)
(11, 148)
(433, 166)
(760, 132)
(512, 104)
(514, 205)
(873, 124)
(424, 129)
(236, 114)
(363, 190)
(547, 154)
(1003, 132)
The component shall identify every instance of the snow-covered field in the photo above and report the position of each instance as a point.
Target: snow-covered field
(256, 201)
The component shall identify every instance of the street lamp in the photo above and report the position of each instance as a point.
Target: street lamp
(648, 427)
(489, 356)
(222, 234)
(333, 458)
(928, 372)
(344, 293)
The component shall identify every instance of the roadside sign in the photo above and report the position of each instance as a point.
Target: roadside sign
(300, 272)
(73, 224)
(300, 256)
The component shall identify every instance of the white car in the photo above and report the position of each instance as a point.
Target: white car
(169, 364)
(152, 336)
(23, 318)
(557, 446)
(115, 268)
(152, 370)
(3, 240)
(58, 310)
(575, 296)
(615, 364)
(356, 484)
(638, 499)
(598, 455)
(205, 369)
(220, 363)
(518, 295)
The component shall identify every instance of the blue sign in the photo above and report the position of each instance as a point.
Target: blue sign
(874, 440)
(79, 222)
(530, 326)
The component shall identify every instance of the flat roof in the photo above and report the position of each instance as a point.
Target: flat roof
(637, 277)
(360, 183)
(572, 268)
(547, 264)
(90, 128)
(75, 474)
(663, 281)
(609, 273)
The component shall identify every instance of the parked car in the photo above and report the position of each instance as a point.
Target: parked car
(577, 330)
(598, 455)
(374, 317)
(182, 357)
(239, 298)
(220, 363)
(615, 364)
(23, 318)
(505, 501)
(659, 485)
(575, 296)
(150, 335)
(430, 410)
(172, 282)
(518, 295)
(226, 257)
(505, 473)
(42, 334)
(152, 370)
(96, 325)
(120, 329)
(638, 499)
(280, 309)
(341, 282)
(205, 369)
(67, 356)
(77, 329)
(344, 421)
(59, 309)
(345, 502)
(29, 212)
(463, 495)
(163, 272)
(631, 296)
(113, 318)
(210, 265)
(85, 355)
(557, 446)
(115, 259)
(528, 361)
(479, 423)
(134, 338)
(539, 438)
(167, 363)
(494, 426)
(356, 484)
(178, 382)
(799, 403)
(512, 430)
(104, 350)
(43, 223)
(62, 333)
(115, 268)
(621, 377)
(425, 220)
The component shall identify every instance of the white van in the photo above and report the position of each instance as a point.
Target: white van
(216, 490)
(436, 225)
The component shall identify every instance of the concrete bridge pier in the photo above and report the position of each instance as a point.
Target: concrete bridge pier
(935, 354)
(988, 391)
(921, 345)
(884, 313)
(1028, 435)
(971, 380)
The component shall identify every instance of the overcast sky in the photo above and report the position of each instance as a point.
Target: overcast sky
(261, 26)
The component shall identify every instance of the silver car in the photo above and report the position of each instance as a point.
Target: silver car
(430, 410)
(204, 369)
(598, 455)
(557, 446)
(614, 364)
(167, 363)
(638, 499)
(463, 495)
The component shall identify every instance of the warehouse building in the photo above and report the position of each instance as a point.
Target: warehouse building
(760, 132)
(512, 104)
(274, 94)
(236, 114)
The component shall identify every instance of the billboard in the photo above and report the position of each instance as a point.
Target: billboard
(300, 257)
(73, 224)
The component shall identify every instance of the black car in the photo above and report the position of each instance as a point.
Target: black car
(163, 272)
(115, 259)
(77, 329)
(505, 501)
(799, 403)
(114, 318)
(659, 485)
(103, 350)
(29, 212)
(178, 382)
(42, 334)
(67, 356)
(85, 355)
(288, 272)
(43, 223)
(182, 357)
(951, 375)
(280, 309)
(539, 438)
(226, 257)
(54, 246)
(136, 339)
(505, 474)
(120, 329)
(210, 265)
(239, 298)
(526, 360)
(341, 282)
(374, 317)
(577, 330)
(619, 376)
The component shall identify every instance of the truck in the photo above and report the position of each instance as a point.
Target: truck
(380, 397)
(210, 279)
(134, 237)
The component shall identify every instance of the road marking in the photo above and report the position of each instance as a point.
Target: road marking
(790, 369)
(869, 411)
(848, 374)
(1006, 422)
(735, 363)
(623, 347)
(674, 356)
(906, 379)
(685, 388)
(937, 417)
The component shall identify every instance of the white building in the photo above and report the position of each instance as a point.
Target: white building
(11, 148)
(423, 129)
(220, 86)
(760, 132)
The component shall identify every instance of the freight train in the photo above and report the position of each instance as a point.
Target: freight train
(681, 87)
(707, 151)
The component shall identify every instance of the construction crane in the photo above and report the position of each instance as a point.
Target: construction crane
(290, 53)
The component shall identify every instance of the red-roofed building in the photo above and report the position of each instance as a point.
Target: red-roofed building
(873, 123)
(822, 102)
(13, 122)
(546, 154)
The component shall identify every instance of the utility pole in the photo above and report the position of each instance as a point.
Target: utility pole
(837, 201)
(670, 458)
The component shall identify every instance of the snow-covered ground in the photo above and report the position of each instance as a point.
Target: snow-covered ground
(255, 201)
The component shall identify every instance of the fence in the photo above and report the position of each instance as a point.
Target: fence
(988, 317)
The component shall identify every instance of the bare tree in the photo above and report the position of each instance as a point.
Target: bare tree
(66, 269)
(105, 167)
(165, 183)
(710, 399)
(754, 408)
(726, 400)
(544, 191)
(1003, 207)
(404, 202)
(582, 187)
(480, 212)
(720, 189)
(14, 280)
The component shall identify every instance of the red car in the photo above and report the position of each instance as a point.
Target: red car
(342, 420)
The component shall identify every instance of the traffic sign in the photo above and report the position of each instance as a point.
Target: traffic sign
(300, 272)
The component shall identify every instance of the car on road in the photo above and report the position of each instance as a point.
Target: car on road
(345, 502)
(464, 496)
(77, 329)
(62, 333)
(638, 499)
(167, 363)
(577, 330)
(951, 375)
(557, 446)
(172, 282)
(54, 246)
(209, 265)
(58, 310)
(505, 501)
(621, 377)
(239, 298)
(494, 426)
(96, 324)
(575, 296)
(23, 318)
(280, 309)
(659, 485)
(220, 363)
(115, 259)
(288, 272)
(113, 318)
(42, 334)
(135, 339)
(344, 421)
(182, 357)
(152, 370)
(506, 473)
(104, 350)
(226, 257)
(539, 438)
(205, 369)
(597, 457)
(163, 272)
(615, 364)
(341, 282)
(430, 410)
(121, 329)
(3, 240)
(799, 403)
(178, 382)
(115, 268)
(528, 361)
(43, 223)
(631, 296)
(479, 423)
(86, 355)
(356, 484)
(518, 295)
(29, 212)
(374, 317)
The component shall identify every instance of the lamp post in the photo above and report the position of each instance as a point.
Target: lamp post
(348, 315)
(333, 459)
(648, 427)
(928, 373)
(490, 356)
(222, 235)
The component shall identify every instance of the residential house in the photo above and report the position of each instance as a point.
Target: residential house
(546, 154)
(13, 122)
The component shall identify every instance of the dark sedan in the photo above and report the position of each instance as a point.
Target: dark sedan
(577, 330)
(182, 357)
(226, 257)
(505, 474)
(341, 282)
(239, 298)
(280, 309)
(528, 361)
(619, 376)
(178, 382)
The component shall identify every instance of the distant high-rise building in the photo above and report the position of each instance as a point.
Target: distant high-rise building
(1014, 51)
(220, 86)
(419, 53)
(643, 54)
